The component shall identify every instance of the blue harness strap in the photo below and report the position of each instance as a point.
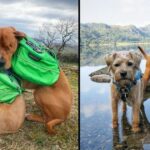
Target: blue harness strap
(138, 75)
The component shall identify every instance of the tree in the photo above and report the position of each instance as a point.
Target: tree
(47, 35)
(59, 34)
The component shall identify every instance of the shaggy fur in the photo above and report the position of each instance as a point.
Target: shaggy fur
(12, 115)
(123, 66)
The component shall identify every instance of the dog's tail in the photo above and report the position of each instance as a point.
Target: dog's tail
(143, 52)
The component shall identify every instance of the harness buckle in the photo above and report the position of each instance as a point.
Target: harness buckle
(124, 92)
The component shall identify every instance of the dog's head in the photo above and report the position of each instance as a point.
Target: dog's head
(123, 65)
(9, 38)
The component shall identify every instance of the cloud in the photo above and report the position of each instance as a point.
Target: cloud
(23, 25)
(104, 107)
(101, 91)
(122, 12)
(31, 14)
(72, 4)
(66, 4)
(90, 110)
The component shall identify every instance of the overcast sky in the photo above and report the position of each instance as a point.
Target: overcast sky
(29, 15)
(121, 12)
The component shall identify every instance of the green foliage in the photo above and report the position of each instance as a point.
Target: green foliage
(94, 33)
(69, 54)
(69, 57)
(99, 39)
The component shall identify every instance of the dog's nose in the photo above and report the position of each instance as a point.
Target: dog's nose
(123, 74)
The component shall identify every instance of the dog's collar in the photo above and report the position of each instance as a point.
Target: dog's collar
(138, 75)
(124, 91)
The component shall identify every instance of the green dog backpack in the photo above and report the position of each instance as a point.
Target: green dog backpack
(33, 62)
(9, 88)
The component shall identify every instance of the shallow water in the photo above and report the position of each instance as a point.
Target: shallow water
(92, 56)
(96, 132)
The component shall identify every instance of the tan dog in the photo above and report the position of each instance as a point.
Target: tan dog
(124, 85)
(12, 115)
(146, 75)
(55, 101)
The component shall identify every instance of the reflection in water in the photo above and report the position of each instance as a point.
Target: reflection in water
(131, 140)
(96, 132)
(95, 55)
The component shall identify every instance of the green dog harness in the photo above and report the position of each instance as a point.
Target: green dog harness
(9, 88)
(33, 62)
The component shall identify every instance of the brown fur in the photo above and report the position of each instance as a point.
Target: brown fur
(12, 115)
(55, 101)
(146, 75)
(125, 62)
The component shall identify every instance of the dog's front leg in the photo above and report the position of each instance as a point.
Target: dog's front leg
(114, 105)
(135, 123)
(114, 113)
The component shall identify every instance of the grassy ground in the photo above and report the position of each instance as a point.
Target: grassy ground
(33, 136)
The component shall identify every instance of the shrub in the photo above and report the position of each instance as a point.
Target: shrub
(69, 57)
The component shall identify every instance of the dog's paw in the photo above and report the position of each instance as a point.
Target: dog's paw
(51, 131)
(136, 129)
(27, 116)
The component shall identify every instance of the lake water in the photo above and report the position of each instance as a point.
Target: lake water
(92, 56)
(96, 132)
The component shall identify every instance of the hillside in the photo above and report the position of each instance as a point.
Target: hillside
(98, 33)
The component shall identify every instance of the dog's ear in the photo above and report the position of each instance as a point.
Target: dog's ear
(12, 28)
(109, 58)
(137, 57)
(19, 35)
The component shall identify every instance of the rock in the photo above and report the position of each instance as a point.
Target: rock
(103, 78)
(100, 71)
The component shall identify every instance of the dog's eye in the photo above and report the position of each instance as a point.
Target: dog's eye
(10, 45)
(130, 63)
(116, 65)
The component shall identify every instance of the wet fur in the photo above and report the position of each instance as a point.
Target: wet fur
(135, 98)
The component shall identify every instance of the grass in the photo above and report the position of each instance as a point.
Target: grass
(33, 135)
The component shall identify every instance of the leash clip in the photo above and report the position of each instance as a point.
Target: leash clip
(124, 93)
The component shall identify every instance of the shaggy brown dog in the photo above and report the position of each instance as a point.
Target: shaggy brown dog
(55, 101)
(125, 86)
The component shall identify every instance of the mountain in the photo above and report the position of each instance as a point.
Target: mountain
(97, 33)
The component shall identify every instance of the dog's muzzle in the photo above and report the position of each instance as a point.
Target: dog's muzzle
(125, 90)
